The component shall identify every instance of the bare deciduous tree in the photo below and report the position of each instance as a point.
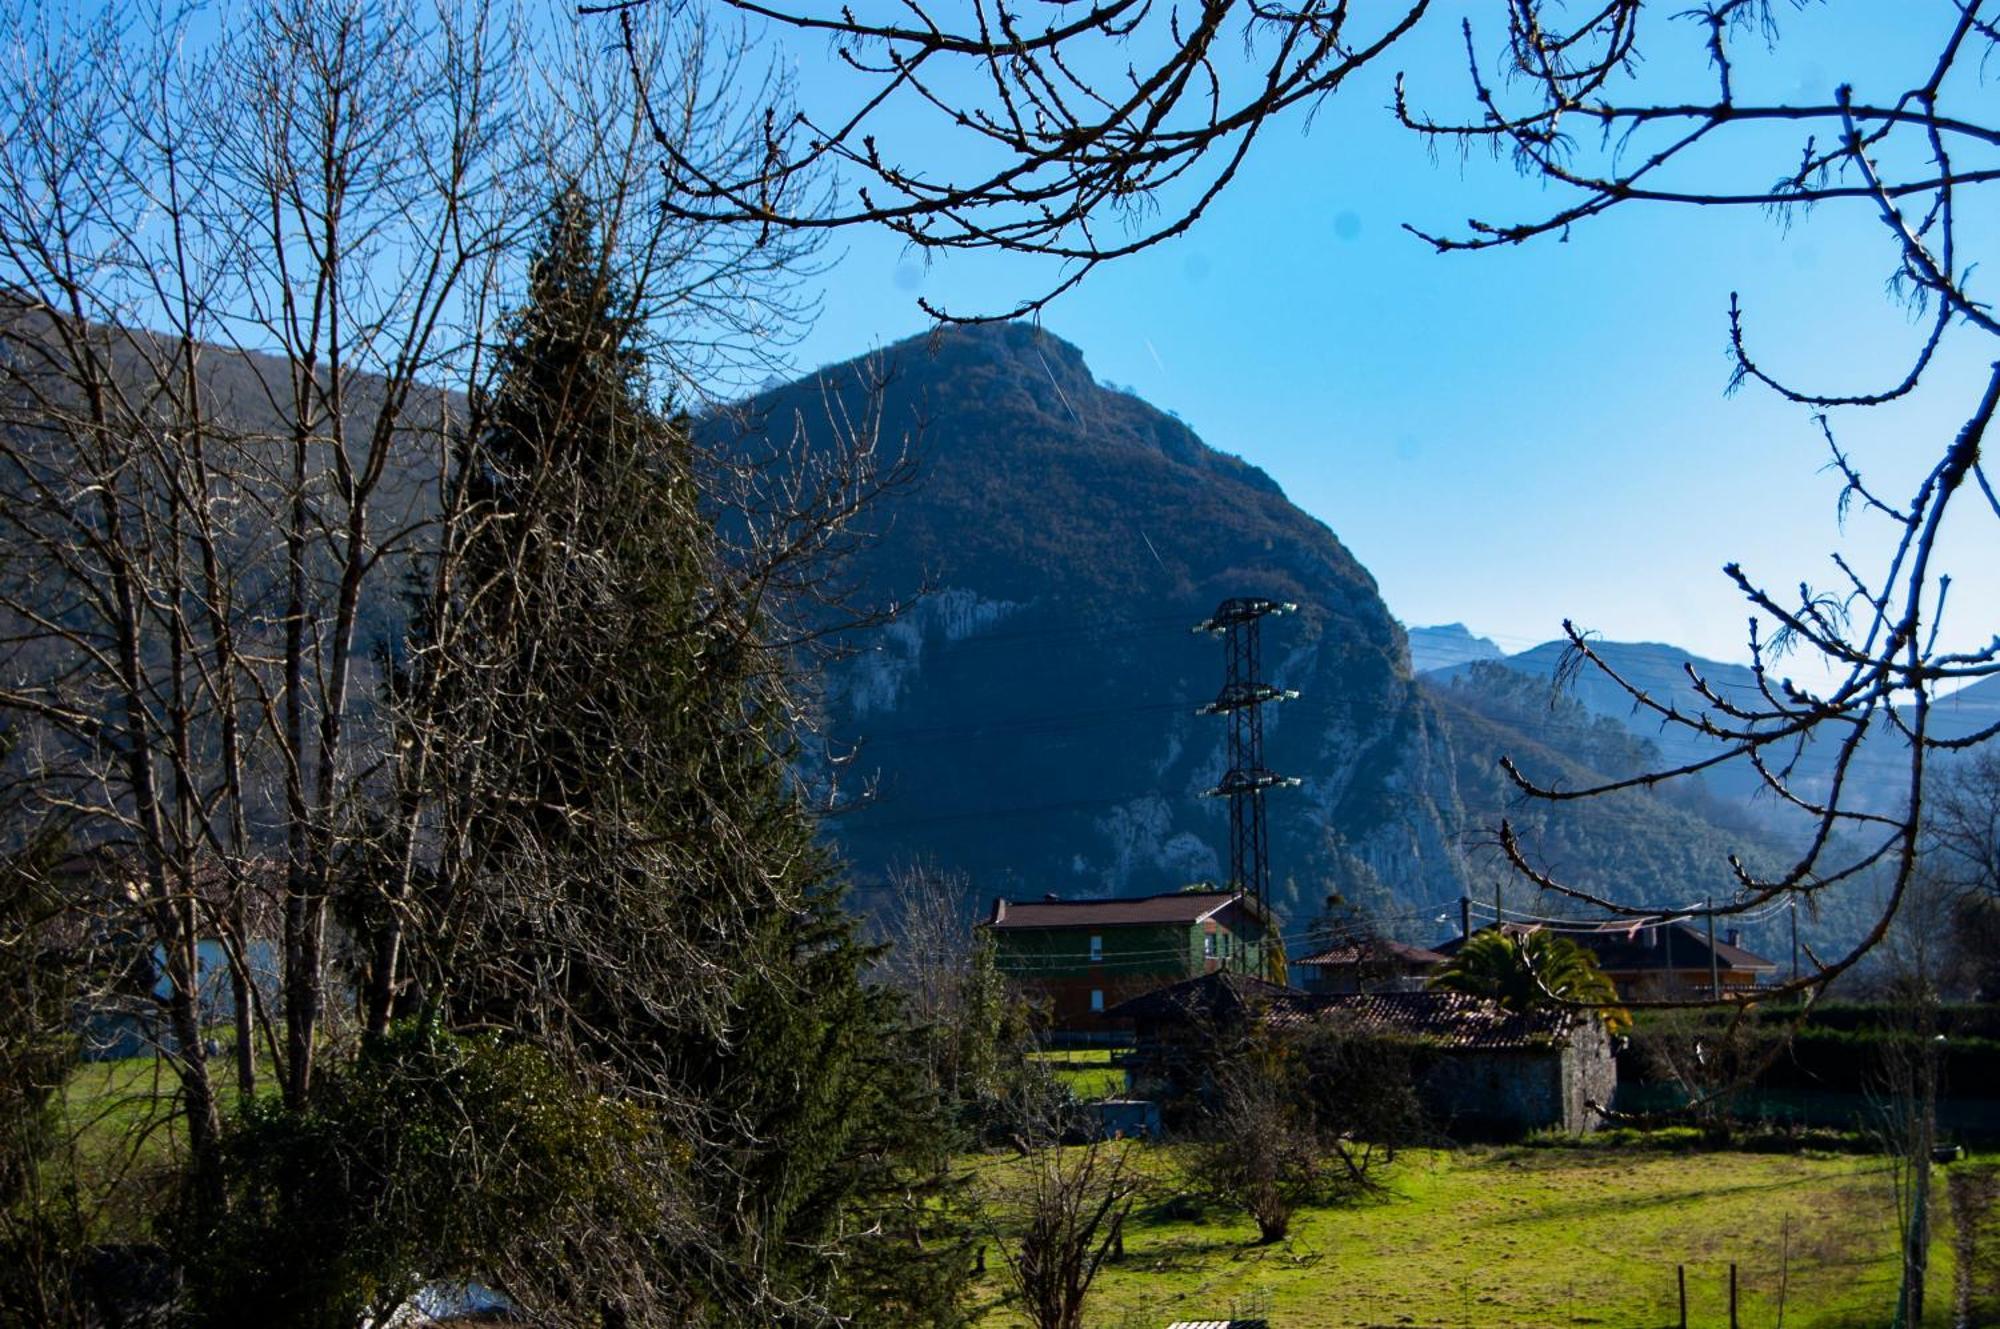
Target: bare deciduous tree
(1059, 1214)
(1913, 162)
(1060, 143)
(1906, 1079)
(1299, 1117)
(188, 542)
(1964, 827)
(250, 280)
(976, 1033)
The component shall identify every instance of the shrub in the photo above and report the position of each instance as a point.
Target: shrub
(429, 1156)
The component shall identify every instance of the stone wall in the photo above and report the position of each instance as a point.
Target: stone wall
(1494, 1093)
(1590, 1078)
(1513, 1092)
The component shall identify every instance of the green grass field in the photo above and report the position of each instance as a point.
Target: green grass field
(1087, 1072)
(120, 1121)
(1527, 1238)
(1518, 1238)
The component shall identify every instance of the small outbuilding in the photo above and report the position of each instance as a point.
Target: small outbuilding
(1481, 1069)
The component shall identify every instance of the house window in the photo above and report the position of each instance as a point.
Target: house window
(1096, 949)
(1097, 999)
(1208, 944)
(1225, 945)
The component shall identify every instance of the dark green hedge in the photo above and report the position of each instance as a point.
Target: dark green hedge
(1852, 1061)
(1959, 1020)
(1844, 1047)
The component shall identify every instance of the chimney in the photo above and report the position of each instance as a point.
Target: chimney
(1464, 917)
(999, 911)
(1733, 937)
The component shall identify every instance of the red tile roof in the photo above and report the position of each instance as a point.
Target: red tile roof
(1173, 907)
(1381, 951)
(1442, 1019)
(1451, 1019)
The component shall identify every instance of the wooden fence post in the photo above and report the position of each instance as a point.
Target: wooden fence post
(1732, 1295)
(1681, 1277)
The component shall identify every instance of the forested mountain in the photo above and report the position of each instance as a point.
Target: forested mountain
(1029, 720)
(1668, 844)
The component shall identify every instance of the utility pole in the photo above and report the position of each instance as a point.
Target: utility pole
(1714, 961)
(1795, 938)
(1243, 694)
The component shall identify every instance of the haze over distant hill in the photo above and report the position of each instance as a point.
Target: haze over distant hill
(1878, 776)
(1031, 721)
(1446, 645)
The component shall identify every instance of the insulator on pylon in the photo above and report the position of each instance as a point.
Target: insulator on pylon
(1241, 609)
(1235, 696)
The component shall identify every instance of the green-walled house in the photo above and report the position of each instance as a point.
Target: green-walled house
(1078, 958)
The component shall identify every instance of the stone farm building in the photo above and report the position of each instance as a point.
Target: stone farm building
(1078, 958)
(1481, 1070)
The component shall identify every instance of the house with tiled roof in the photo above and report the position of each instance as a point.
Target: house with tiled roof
(1078, 958)
(1374, 964)
(1655, 959)
(1481, 1069)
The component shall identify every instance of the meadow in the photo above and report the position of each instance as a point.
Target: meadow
(1521, 1237)
(1524, 1238)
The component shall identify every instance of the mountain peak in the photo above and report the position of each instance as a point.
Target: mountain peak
(1022, 371)
(1032, 719)
(1446, 645)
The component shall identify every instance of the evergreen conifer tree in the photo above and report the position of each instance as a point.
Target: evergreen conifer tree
(633, 881)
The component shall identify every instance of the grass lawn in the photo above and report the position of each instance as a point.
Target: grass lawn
(117, 1109)
(121, 1121)
(1526, 1238)
(1087, 1072)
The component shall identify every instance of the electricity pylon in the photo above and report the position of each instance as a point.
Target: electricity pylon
(1242, 698)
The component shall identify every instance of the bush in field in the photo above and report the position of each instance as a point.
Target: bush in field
(1063, 1214)
(429, 1156)
(1300, 1119)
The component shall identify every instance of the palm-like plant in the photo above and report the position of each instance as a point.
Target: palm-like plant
(1527, 970)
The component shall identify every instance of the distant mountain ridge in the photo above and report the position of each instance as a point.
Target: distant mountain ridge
(1878, 776)
(1030, 721)
(1446, 645)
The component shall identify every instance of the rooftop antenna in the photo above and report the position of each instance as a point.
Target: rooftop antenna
(1243, 695)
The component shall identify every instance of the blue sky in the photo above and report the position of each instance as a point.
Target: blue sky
(1513, 437)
